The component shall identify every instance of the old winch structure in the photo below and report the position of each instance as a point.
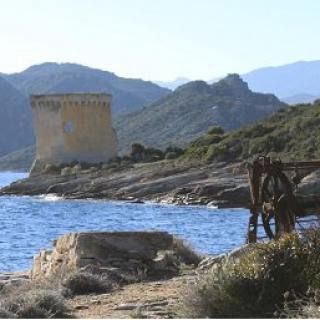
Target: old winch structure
(274, 196)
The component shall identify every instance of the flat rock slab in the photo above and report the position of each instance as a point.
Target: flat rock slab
(73, 251)
(131, 245)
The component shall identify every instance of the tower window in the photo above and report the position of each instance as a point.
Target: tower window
(68, 127)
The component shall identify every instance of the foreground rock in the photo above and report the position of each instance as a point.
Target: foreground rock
(122, 256)
(217, 184)
(167, 267)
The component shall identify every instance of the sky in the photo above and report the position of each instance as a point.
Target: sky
(159, 39)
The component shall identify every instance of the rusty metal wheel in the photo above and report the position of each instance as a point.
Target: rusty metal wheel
(278, 205)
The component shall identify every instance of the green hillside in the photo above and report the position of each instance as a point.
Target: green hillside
(187, 113)
(292, 133)
(15, 119)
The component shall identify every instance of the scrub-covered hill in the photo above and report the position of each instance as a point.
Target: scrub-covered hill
(187, 113)
(292, 133)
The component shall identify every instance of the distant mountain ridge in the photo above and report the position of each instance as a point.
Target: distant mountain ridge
(297, 82)
(128, 94)
(191, 109)
(302, 77)
(301, 98)
(15, 120)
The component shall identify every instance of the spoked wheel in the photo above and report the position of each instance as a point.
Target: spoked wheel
(279, 206)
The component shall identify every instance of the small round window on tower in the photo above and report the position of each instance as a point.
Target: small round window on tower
(68, 127)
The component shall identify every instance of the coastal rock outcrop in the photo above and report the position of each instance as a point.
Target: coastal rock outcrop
(216, 184)
(125, 255)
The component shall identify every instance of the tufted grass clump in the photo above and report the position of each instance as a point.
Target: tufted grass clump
(5, 314)
(255, 284)
(305, 307)
(80, 283)
(34, 304)
(185, 252)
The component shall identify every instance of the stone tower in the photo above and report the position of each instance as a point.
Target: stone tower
(73, 127)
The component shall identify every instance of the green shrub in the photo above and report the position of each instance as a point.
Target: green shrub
(153, 154)
(137, 148)
(215, 130)
(80, 283)
(173, 152)
(176, 150)
(268, 143)
(171, 155)
(216, 150)
(255, 284)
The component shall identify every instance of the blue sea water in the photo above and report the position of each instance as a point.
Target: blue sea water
(29, 224)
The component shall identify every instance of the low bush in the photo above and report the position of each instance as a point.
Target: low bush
(215, 130)
(255, 284)
(80, 283)
(35, 304)
(304, 307)
(175, 149)
(185, 253)
(171, 155)
(216, 151)
(4, 314)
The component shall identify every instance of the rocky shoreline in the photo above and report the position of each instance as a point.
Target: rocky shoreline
(145, 274)
(141, 272)
(218, 184)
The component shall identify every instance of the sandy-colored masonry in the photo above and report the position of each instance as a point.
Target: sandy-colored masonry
(73, 127)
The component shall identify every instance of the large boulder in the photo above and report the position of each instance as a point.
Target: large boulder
(122, 250)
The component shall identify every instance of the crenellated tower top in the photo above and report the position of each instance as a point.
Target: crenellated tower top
(76, 99)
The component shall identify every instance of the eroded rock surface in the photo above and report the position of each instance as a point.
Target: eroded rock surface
(218, 184)
(126, 255)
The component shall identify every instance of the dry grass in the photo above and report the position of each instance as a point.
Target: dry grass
(306, 306)
(34, 304)
(80, 283)
(185, 253)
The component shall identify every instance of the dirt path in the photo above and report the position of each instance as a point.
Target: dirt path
(159, 299)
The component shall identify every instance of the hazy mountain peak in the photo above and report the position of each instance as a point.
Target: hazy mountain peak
(55, 67)
(286, 80)
(198, 86)
(191, 109)
(231, 85)
(235, 81)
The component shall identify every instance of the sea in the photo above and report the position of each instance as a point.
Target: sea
(29, 224)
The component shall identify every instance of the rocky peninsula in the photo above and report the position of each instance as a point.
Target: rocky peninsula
(217, 184)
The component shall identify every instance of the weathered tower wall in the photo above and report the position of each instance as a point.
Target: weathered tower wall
(73, 127)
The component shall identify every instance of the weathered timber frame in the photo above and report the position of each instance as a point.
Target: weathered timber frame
(273, 196)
